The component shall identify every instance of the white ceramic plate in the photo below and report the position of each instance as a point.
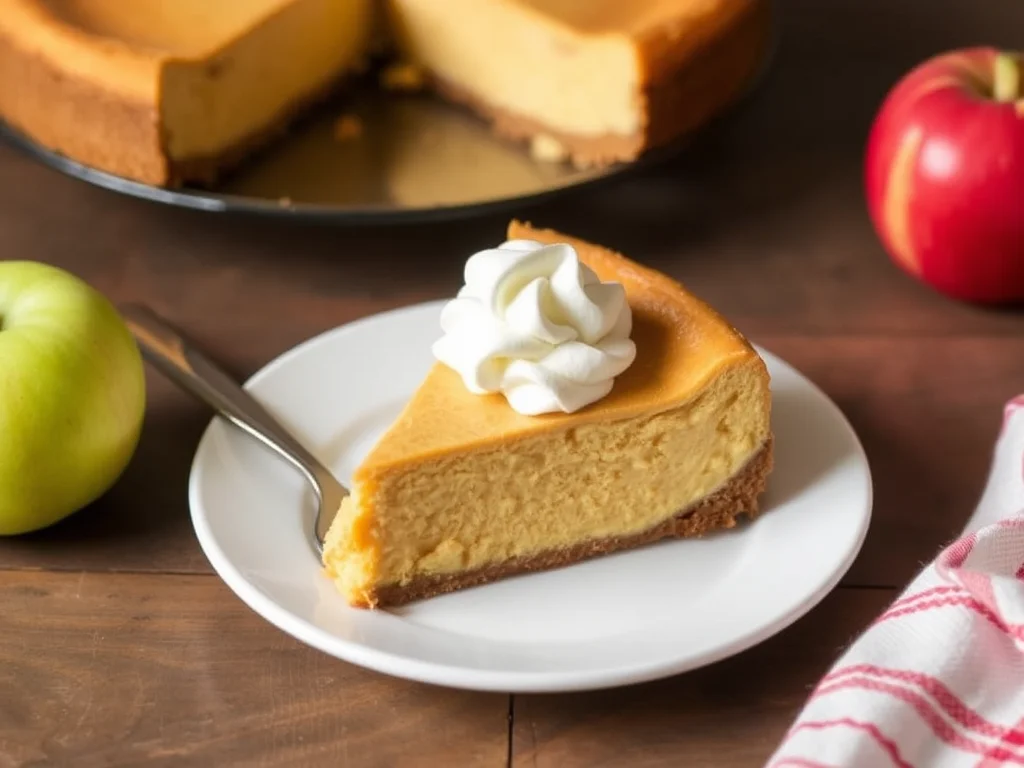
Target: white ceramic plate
(615, 620)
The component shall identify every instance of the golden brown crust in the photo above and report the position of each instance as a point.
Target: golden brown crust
(78, 119)
(682, 345)
(667, 48)
(719, 510)
(685, 85)
(688, 87)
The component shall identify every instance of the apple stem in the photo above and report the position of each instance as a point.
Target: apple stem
(1007, 78)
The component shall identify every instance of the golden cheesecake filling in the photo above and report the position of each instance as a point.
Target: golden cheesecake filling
(572, 81)
(546, 492)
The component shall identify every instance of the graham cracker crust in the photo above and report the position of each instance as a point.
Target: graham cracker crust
(720, 510)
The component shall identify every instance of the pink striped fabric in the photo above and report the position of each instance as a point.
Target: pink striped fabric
(937, 680)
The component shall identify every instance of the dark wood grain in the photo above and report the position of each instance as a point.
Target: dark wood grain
(733, 713)
(115, 644)
(126, 670)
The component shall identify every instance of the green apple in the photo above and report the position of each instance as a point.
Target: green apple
(72, 395)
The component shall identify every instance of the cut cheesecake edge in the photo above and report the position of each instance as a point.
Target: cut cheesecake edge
(670, 89)
(206, 170)
(258, 86)
(720, 510)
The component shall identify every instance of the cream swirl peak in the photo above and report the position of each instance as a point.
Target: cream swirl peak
(537, 325)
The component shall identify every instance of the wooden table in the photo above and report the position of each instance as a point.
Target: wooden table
(117, 643)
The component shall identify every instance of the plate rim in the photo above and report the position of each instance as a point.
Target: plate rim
(506, 681)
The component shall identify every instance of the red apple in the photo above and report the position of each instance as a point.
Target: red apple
(945, 175)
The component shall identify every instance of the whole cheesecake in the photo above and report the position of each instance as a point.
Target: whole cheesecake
(464, 489)
(169, 93)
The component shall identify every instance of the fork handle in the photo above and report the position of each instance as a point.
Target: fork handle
(196, 373)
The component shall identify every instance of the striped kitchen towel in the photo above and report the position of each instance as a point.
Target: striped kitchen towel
(937, 680)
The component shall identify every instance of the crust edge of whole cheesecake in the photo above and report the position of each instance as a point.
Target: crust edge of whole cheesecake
(738, 496)
(207, 170)
(113, 133)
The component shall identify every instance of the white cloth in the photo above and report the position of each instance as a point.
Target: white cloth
(938, 679)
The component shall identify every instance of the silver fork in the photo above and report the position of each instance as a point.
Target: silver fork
(185, 365)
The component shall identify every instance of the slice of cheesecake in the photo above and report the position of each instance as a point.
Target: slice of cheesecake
(594, 81)
(171, 91)
(464, 489)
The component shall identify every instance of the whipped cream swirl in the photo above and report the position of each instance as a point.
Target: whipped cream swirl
(537, 325)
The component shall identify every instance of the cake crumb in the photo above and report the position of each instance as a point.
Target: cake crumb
(548, 149)
(589, 163)
(348, 128)
(403, 76)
